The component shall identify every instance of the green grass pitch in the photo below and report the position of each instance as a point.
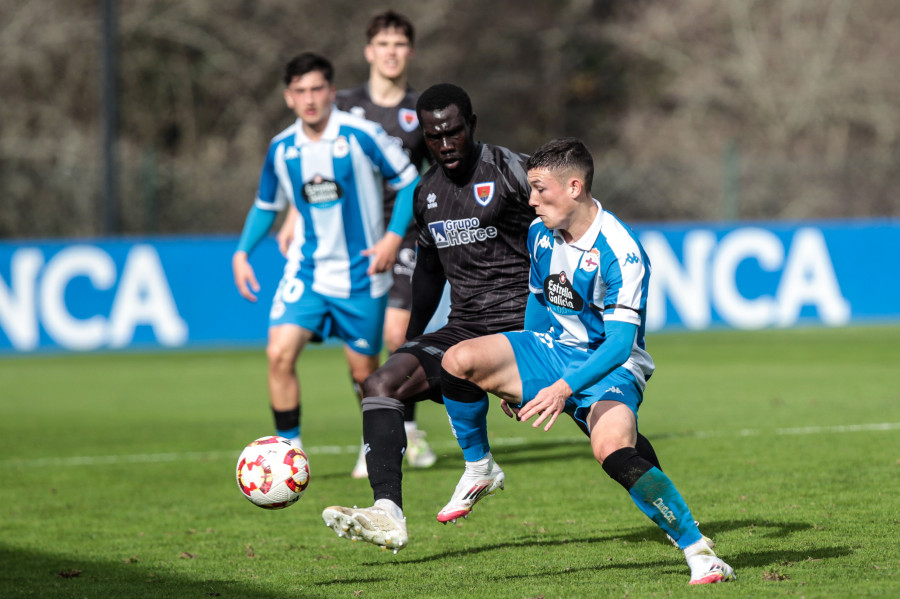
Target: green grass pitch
(118, 481)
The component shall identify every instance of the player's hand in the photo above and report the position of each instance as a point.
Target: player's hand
(511, 410)
(383, 253)
(286, 233)
(548, 403)
(244, 277)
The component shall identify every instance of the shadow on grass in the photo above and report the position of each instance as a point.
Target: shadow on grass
(27, 574)
(736, 558)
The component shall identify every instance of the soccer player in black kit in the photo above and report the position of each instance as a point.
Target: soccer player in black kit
(472, 215)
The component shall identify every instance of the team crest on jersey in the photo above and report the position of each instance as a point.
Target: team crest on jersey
(408, 119)
(321, 191)
(341, 147)
(561, 296)
(591, 260)
(484, 192)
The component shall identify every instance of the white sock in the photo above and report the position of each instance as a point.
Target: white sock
(390, 507)
(482, 466)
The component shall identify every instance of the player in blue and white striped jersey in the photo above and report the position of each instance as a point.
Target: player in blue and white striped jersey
(582, 353)
(330, 166)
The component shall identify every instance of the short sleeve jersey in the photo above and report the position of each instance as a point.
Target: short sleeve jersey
(479, 230)
(335, 183)
(400, 121)
(603, 276)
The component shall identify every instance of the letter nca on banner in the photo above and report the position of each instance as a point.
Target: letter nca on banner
(85, 297)
(774, 275)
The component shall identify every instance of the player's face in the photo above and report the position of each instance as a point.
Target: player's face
(449, 138)
(552, 197)
(310, 97)
(389, 52)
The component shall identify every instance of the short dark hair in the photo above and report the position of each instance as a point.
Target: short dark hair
(308, 62)
(564, 153)
(443, 95)
(391, 20)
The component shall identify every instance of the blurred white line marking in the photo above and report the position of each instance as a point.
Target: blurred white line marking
(438, 446)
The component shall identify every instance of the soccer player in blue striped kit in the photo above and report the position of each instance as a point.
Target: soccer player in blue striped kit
(589, 278)
(336, 280)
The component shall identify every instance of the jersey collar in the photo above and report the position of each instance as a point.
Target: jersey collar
(332, 129)
(586, 241)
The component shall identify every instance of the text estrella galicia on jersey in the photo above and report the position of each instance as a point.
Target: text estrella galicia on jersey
(484, 192)
(408, 119)
(561, 296)
(321, 191)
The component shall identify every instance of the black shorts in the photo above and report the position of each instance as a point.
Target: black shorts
(400, 295)
(429, 350)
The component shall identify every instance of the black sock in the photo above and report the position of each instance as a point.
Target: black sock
(286, 420)
(383, 432)
(409, 412)
(645, 450)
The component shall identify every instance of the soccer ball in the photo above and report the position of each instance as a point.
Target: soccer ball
(272, 473)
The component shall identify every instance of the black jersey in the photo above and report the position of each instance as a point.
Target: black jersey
(398, 121)
(480, 231)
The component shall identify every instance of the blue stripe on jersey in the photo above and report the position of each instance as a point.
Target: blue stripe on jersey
(602, 276)
(335, 183)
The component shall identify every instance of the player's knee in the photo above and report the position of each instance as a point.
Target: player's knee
(381, 383)
(394, 339)
(458, 361)
(281, 357)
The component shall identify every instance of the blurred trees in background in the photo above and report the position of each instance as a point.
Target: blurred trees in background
(694, 109)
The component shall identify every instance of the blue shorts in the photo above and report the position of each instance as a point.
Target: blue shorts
(542, 361)
(357, 320)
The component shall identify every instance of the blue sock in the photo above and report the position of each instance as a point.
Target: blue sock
(290, 433)
(657, 497)
(469, 423)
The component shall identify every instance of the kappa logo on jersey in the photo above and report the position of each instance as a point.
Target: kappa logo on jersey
(561, 296)
(546, 242)
(447, 233)
(321, 191)
(291, 153)
(484, 192)
(591, 260)
(358, 111)
(408, 119)
(431, 201)
(632, 258)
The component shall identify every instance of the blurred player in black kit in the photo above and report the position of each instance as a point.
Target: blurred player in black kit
(472, 216)
(387, 98)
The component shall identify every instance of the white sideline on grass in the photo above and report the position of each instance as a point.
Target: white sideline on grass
(437, 446)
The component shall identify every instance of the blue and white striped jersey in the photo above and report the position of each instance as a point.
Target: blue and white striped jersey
(601, 276)
(336, 185)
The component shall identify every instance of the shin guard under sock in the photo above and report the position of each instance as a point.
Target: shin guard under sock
(654, 494)
(385, 438)
(467, 407)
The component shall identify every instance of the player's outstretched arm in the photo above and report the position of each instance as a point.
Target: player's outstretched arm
(244, 277)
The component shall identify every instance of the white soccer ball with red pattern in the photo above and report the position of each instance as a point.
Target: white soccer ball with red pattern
(272, 473)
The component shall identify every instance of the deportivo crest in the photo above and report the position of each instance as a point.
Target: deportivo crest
(591, 260)
(321, 191)
(408, 119)
(561, 296)
(484, 192)
(341, 147)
